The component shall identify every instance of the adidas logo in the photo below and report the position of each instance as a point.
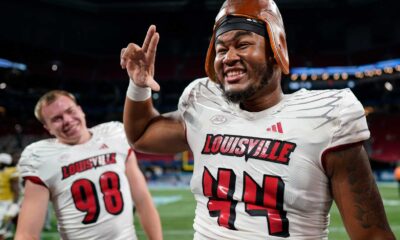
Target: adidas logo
(275, 128)
(103, 146)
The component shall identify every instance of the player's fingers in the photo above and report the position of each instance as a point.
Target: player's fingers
(153, 85)
(122, 59)
(148, 38)
(132, 51)
(151, 53)
(128, 50)
(127, 54)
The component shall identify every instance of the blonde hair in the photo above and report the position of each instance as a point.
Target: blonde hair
(49, 98)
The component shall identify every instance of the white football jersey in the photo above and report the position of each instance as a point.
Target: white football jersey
(88, 186)
(260, 175)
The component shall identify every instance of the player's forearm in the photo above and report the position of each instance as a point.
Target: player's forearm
(137, 116)
(150, 221)
(25, 236)
(30, 224)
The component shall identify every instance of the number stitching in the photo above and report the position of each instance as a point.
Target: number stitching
(84, 195)
(266, 200)
(112, 195)
(220, 192)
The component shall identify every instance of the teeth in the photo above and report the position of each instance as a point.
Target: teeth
(68, 128)
(233, 73)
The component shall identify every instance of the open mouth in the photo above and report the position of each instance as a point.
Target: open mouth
(234, 76)
(70, 129)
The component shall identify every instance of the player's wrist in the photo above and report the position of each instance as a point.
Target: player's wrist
(137, 93)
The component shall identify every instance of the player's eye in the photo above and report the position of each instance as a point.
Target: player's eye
(56, 119)
(221, 50)
(71, 110)
(243, 45)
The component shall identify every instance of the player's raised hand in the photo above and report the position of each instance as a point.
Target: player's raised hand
(139, 61)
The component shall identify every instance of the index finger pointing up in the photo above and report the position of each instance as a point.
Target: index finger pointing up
(149, 36)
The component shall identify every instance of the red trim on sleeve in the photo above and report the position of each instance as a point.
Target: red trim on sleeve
(35, 180)
(130, 151)
(337, 148)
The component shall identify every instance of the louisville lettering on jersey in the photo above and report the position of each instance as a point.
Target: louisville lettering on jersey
(257, 148)
(87, 164)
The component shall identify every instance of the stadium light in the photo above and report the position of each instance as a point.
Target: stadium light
(314, 77)
(4, 63)
(388, 86)
(344, 72)
(294, 77)
(336, 76)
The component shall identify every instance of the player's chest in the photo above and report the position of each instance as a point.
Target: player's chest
(243, 137)
(254, 136)
(270, 145)
(73, 162)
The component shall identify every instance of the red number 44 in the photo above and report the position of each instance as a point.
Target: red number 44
(260, 201)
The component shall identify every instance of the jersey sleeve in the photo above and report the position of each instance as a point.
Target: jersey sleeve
(199, 92)
(184, 100)
(28, 165)
(352, 125)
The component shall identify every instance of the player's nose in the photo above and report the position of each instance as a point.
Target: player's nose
(231, 56)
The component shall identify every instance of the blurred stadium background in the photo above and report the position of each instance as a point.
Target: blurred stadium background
(75, 45)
